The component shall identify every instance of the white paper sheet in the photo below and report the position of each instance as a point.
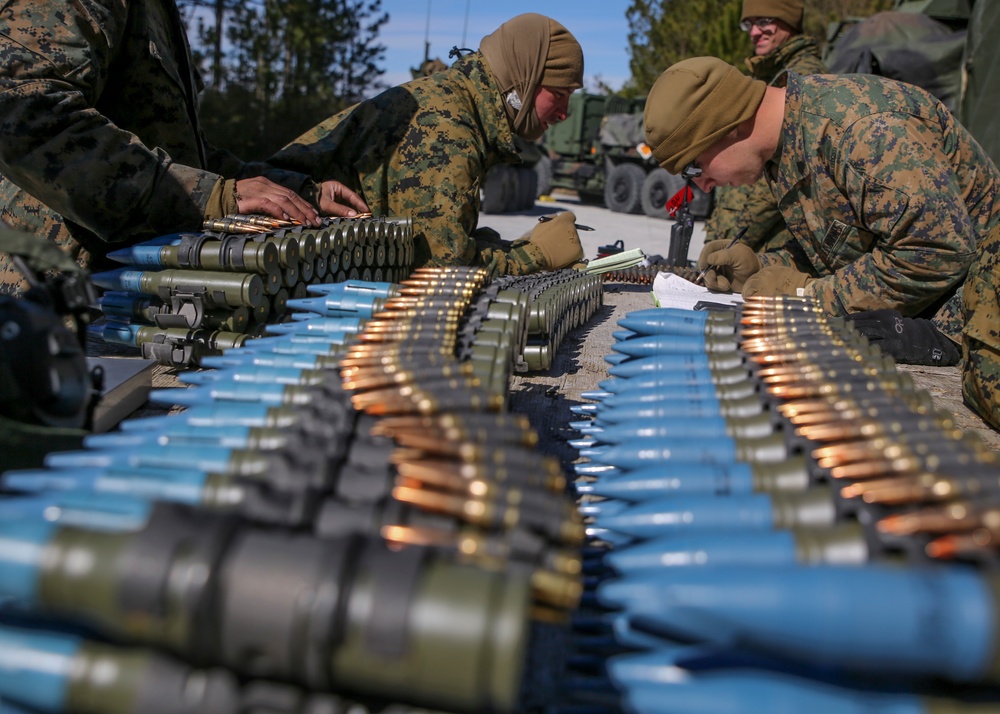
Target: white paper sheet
(671, 290)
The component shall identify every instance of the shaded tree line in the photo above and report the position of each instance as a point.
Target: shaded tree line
(663, 32)
(275, 68)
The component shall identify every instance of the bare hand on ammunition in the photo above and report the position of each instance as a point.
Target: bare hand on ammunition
(261, 195)
(335, 199)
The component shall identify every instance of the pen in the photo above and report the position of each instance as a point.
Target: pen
(701, 276)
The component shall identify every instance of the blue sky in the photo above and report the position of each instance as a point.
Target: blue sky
(600, 27)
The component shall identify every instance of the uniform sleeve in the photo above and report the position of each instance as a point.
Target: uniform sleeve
(917, 240)
(761, 216)
(406, 158)
(54, 60)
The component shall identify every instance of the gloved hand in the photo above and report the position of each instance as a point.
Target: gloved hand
(558, 241)
(908, 340)
(728, 268)
(775, 280)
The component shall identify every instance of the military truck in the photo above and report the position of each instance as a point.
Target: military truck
(600, 153)
(948, 47)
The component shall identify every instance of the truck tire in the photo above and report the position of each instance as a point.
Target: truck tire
(543, 169)
(498, 189)
(658, 188)
(527, 187)
(623, 188)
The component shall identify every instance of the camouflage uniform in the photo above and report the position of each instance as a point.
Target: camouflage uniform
(98, 101)
(981, 334)
(422, 149)
(886, 195)
(753, 206)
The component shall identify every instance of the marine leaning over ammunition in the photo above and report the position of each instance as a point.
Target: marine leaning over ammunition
(422, 149)
(890, 201)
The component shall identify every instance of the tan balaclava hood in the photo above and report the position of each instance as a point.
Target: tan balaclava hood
(788, 11)
(527, 52)
(695, 103)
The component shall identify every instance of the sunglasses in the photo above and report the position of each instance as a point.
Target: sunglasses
(692, 170)
(761, 23)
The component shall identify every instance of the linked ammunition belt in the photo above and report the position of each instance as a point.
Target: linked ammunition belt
(185, 296)
(646, 274)
(769, 508)
(345, 506)
(558, 302)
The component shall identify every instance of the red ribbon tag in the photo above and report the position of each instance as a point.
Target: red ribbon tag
(678, 199)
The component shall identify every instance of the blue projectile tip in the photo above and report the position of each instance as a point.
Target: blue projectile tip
(122, 255)
(691, 512)
(616, 358)
(117, 333)
(825, 614)
(360, 287)
(233, 358)
(610, 537)
(154, 423)
(595, 395)
(703, 549)
(592, 469)
(655, 345)
(665, 322)
(180, 396)
(80, 459)
(108, 279)
(37, 480)
(662, 362)
(582, 443)
(117, 439)
(684, 478)
(583, 408)
(605, 508)
(316, 304)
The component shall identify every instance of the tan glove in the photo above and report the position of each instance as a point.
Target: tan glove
(222, 201)
(558, 241)
(728, 268)
(776, 280)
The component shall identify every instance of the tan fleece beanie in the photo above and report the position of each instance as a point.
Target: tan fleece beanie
(564, 60)
(788, 11)
(524, 53)
(694, 104)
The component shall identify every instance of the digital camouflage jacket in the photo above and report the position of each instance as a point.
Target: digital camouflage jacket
(753, 206)
(98, 104)
(886, 195)
(422, 149)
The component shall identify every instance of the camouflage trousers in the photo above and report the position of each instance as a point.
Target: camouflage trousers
(981, 334)
(24, 212)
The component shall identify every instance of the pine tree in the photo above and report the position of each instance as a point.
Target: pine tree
(277, 67)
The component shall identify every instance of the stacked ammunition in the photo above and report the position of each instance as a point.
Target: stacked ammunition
(767, 504)
(559, 302)
(184, 296)
(342, 508)
(459, 454)
(646, 274)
